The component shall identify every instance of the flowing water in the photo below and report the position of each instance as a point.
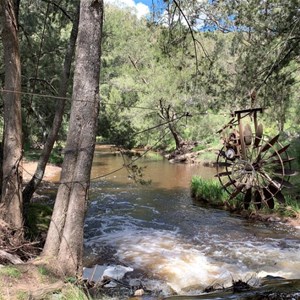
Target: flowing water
(171, 241)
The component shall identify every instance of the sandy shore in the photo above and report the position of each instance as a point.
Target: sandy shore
(52, 172)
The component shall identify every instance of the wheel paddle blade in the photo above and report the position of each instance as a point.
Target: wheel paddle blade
(229, 183)
(258, 135)
(277, 194)
(278, 152)
(268, 198)
(247, 198)
(225, 164)
(257, 199)
(248, 135)
(223, 174)
(279, 181)
(270, 144)
(285, 172)
(279, 161)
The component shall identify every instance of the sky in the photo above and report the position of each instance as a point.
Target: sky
(142, 7)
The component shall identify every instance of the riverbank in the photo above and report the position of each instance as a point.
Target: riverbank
(165, 245)
(52, 172)
(211, 193)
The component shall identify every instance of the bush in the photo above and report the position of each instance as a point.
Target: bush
(209, 190)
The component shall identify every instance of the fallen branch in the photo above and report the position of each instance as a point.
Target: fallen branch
(14, 259)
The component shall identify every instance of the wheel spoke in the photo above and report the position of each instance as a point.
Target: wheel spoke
(258, 135)
(237, 191)
(223, 174)
(247, 198)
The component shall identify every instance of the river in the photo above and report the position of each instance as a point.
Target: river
(173, 243)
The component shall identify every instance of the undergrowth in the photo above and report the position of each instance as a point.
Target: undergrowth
(210, 191)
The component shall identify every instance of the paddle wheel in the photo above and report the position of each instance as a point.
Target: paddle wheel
(252, 164)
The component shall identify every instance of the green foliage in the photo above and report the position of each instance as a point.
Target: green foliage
(153, 156)
(146, 63)
(209, 190)
(294, 151)
(55, 158)
(10, 272)
(22, 296)
(37, 219)
(43, 271)
(72, 292)
(293, 204)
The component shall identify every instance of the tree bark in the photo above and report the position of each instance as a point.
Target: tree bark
(167, 114)
(65, 235)
(11, 206)
(60, 105)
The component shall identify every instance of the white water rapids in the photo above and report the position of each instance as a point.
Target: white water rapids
(174, 244)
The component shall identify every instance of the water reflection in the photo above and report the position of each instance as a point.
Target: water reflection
(159, 171)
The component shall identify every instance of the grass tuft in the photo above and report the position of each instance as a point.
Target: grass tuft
(208, 190)
(10, 271)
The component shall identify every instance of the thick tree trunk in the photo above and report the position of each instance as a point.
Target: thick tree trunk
(65, 236)
(177, 138)
(11, 200)
(40, 170)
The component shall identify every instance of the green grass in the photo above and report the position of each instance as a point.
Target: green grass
(22, 296)
(291, 208)
(211, 192)
(154, 156)
(73, 292)
(208, 190)
(207, 157)
(199, 147)
(43, 271)
(10, 272)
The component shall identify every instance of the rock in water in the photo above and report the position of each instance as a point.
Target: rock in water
(116, 272)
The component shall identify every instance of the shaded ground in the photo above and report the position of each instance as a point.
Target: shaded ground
(33, 281)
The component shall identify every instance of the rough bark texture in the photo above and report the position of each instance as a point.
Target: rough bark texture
(40, 170)
(11, 200)
(65, 236)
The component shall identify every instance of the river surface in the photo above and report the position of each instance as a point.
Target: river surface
(173, 243)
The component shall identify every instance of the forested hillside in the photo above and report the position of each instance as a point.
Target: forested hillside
(183, 79)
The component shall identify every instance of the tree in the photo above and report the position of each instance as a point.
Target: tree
(266, 42)
(65, 235)
(11, 200)
(57, 121)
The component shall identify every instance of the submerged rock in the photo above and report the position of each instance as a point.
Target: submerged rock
(274, 289)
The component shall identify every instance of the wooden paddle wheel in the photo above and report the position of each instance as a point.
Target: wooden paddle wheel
(252, 164)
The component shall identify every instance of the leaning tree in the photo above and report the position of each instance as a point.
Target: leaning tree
(65, 236)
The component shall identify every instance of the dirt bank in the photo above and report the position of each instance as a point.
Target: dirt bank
(52, 172)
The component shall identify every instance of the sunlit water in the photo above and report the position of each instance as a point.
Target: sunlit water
(171, 241)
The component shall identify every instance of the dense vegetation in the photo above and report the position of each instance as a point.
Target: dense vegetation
(156, 74)
(166, 81)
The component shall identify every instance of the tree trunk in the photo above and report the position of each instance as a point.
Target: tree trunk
(177, 138)
(65, 235)
(167, 114)
(40, 170)
(11, 200)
